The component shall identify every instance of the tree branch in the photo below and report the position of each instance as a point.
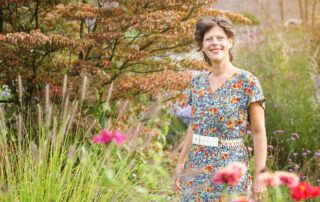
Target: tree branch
(168, 48)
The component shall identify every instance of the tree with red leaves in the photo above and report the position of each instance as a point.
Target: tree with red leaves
(129, 43)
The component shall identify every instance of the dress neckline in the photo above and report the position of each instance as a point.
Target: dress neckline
(234, 75)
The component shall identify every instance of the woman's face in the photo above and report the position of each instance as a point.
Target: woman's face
(216, 45)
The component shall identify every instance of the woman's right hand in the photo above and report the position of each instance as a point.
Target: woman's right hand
(177, 178)
(177, 182)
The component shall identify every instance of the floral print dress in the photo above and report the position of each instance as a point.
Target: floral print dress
(223, 114)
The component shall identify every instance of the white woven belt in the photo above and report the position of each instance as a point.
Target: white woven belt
(205, 140)
(214, 141)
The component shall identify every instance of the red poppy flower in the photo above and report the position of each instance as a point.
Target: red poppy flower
(304, 191)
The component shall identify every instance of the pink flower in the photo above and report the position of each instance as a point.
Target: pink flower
(104, 138)
(286, 178)
(238, 167)
(241, 199)
(119, 138)
(268, 179)
(231, 174)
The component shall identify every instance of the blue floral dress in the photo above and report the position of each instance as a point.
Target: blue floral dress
(223, 114)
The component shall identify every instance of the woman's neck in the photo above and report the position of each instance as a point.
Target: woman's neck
(222, 69)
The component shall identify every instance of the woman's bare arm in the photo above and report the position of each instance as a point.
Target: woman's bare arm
(257, 123)
(185, 149)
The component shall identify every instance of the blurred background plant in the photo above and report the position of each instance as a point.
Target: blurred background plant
(49, 154)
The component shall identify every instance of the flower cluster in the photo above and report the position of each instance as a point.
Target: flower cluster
(279, 178)
(106, 136)
(304, 191)
(299, 190)
(231, 174)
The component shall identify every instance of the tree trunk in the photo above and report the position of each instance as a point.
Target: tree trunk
(306, 10)
(301, 10)
(36, 14)
(314, 5)
(81, 54)
(1, 19)
(281, 11)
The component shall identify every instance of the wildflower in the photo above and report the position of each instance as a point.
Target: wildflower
(104, 138)
(317, 154)
(231, 174)
(270, 147)
(304, 191)
(119, 138)
(303, 177)
(278, 132)
(286, 178)
(269, 179)
(294, 136)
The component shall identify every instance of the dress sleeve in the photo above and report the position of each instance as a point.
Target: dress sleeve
(255, 92)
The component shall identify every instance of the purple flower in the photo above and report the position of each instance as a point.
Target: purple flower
(317, 154)
(303, 177)
(278, 132)
(294, 136)
(304, 154)
(270, 147)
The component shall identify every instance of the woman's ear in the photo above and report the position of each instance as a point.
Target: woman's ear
(231, 42)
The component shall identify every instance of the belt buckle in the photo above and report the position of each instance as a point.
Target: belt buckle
(205, 140)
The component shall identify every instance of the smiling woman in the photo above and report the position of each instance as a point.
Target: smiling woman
(214, 29)
(224, 103)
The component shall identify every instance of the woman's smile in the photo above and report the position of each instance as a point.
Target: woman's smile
(215, 50)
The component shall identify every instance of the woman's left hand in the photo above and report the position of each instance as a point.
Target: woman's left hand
(258, 188)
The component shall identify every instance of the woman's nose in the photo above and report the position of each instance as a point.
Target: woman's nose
(214, 41)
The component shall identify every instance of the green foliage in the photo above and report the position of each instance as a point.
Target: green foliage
(252, 17)
(47, 154)
(282, 62)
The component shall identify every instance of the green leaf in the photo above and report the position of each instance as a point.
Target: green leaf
(131, 34)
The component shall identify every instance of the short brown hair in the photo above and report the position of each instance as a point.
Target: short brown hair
(204, 24)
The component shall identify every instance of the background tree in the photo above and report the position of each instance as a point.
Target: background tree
(131, 43)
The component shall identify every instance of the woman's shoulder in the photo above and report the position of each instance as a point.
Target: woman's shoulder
(198, 75)
(246, 75)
